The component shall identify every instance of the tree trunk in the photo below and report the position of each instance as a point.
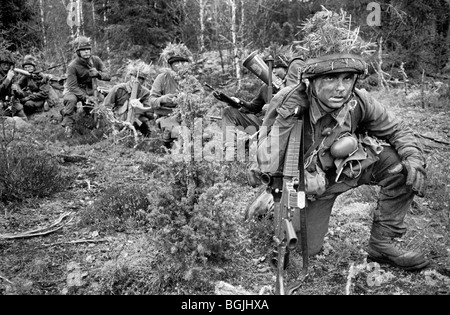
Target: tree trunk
(447, 66)
(93, 25)
(80, 17)
(202, 4)
(234, 41)
(41, 7)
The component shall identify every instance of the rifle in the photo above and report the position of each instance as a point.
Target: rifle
(288, 190)
(223, 97)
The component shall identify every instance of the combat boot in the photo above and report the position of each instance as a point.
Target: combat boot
(382, 249)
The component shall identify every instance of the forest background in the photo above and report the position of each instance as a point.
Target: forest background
(415, 33)
(98, 215)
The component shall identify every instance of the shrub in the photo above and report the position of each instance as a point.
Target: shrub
(195, 223)
(26, 172)
(118, 207)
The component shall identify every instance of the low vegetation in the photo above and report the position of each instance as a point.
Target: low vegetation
(145, 222)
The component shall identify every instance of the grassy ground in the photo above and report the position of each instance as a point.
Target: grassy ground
(115, 257)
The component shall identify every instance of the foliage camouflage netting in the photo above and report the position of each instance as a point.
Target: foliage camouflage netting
(175, 50)
(328, 33)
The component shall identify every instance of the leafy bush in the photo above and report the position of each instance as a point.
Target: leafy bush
(26, 172)
(117, 208)
(195, 222)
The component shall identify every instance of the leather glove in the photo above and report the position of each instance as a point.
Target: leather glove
(93, 73)
(416, 175)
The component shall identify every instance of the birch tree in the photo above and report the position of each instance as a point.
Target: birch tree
(202, 4)
(41, 11)
(233, 4)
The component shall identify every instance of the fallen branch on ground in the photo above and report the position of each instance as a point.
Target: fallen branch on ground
(1, 277)
(41, 231)
(76, 242)
(434, 139)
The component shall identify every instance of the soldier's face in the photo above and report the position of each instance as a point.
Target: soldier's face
(85, 53)
(4, 66)
(334, 89)
(29, 68)
(134, 79)
(180, 66)
(279, 72)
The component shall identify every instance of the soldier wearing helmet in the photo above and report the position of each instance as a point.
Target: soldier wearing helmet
(118, 97)
(351, 139)
(250, 114)
(36, 87)
(10, 92)
(80, 74)
(164, 89)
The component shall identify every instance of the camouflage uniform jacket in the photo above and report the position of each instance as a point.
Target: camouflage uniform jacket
(78, 80)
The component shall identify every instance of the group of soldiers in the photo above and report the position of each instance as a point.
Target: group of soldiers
(343, 126)
(26, 91)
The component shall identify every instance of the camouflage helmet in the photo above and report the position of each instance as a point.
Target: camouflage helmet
(140, 74)
(332, 46)
(29, 60)
(7, 57)
(175, 52)
(81, 43)
(139, 68)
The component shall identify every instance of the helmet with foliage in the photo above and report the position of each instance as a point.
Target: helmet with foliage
(332, 47)
(175, 52)
(7, 57)
(81, 43)
(29, 60)
(140, 69)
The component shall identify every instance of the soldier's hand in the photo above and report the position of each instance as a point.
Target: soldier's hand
(10, 75)
(167, 99)
(416, 175)
(15, 88)
(135, 103)
(218, 96)
(37, 76)
(238, 101)
(93, 73)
